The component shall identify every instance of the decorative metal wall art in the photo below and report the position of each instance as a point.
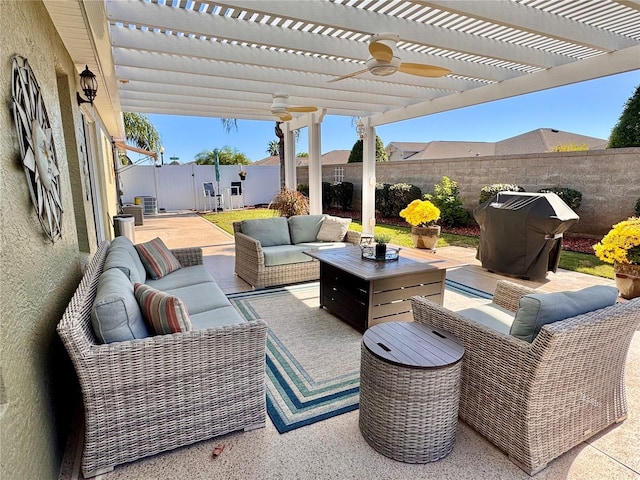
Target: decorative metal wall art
(36, 147)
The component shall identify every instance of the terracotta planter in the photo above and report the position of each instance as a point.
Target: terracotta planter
(627, 280)
(425, 237)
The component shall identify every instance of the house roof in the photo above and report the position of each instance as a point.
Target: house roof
(226, 59)
(540, 140)
(544, 140)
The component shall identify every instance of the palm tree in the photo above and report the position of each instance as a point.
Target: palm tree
(226, 156)
(274, 148)
(139, 130)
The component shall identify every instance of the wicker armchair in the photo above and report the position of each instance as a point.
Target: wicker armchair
(145, 396)
(537, 400)
(250, 265)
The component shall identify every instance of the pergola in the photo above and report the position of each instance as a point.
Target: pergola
(228, 59)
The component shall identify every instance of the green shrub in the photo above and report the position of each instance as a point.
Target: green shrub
(401, 195)
(571, 197)
(342, 194)
(290, 202)
(303, 188)
(383, 204)
(487, 193)
(637, 209)
(446, 197)
(327, 199)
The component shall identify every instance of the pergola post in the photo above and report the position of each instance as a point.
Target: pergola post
(315, 165)
(290, 175)
(368, 178)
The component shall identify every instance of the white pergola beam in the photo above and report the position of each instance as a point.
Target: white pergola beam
(208, 25)
(533, 20)
(359, 20)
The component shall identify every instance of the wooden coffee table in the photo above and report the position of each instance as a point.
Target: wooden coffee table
(364, 293)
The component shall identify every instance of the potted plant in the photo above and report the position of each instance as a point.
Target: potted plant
(381, 241)
(243, 175)
(422, 216)
(621, 246)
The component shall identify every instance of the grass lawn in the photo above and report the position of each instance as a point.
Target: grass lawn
(577, 262)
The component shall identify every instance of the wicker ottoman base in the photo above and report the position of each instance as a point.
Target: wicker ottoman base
(408, 414)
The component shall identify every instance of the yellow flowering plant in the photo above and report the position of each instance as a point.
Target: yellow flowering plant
(421, 213)
(621, 244)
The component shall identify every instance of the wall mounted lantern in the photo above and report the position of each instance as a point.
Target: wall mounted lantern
(89, 86)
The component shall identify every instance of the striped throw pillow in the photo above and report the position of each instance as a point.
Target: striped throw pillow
(157, 259)
(163, 313)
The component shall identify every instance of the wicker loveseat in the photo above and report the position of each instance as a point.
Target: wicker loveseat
(537, 400)
(268, 251)
(148, 395)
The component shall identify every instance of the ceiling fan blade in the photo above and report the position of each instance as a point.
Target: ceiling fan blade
(381, 52)
(302, 109)
(284, 117)
(348, 75)
(423, 70)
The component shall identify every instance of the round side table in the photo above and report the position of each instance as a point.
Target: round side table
(410, 390)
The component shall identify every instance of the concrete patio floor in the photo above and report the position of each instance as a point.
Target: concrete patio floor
(334, 448)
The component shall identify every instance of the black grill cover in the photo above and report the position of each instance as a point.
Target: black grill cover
(521, 233)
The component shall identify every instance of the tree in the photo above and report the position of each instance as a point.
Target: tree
(274, 148)
(226, 156)
(626, 133)
(139, 130)
(302, 154)
(357, 151)
(280, 135)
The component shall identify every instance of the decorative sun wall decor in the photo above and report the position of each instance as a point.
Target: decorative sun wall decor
(36, 147)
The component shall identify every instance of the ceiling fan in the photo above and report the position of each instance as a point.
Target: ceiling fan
(384, 60)
(282, 110)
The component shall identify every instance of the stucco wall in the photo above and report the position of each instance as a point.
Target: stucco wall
(38, 276)
(608, 179)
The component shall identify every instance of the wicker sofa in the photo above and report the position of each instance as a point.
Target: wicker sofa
(537, 400)
(148, 395)
(268, 251)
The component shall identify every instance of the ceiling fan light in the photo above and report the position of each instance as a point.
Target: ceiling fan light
(381, 68)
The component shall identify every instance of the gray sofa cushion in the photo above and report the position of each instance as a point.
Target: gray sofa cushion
(200, 297)
(304, 228)
(182, 278)
(538, 309)
(490, 315)
(115, 315)
(284, 255)
(124, 242)
(216, 318)
(119, 257)
(268, 231)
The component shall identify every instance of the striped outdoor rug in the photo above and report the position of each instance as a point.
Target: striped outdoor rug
(313, 358)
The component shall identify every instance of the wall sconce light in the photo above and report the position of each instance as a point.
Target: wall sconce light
(360, 128)
(89, 86)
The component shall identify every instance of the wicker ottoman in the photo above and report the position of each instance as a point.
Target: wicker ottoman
(409, 391)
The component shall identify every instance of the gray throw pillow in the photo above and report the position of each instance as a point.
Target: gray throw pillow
(333, 229)
(268, 231)
(538, 309)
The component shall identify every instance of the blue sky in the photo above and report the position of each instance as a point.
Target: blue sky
(588, 108)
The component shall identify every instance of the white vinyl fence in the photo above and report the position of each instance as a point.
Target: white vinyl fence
(181, 187)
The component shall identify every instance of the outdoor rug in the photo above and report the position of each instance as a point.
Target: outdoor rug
(313, 358)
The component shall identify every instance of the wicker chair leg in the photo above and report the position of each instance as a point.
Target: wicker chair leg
(255, 426)
(528, 470)
(97, 472)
